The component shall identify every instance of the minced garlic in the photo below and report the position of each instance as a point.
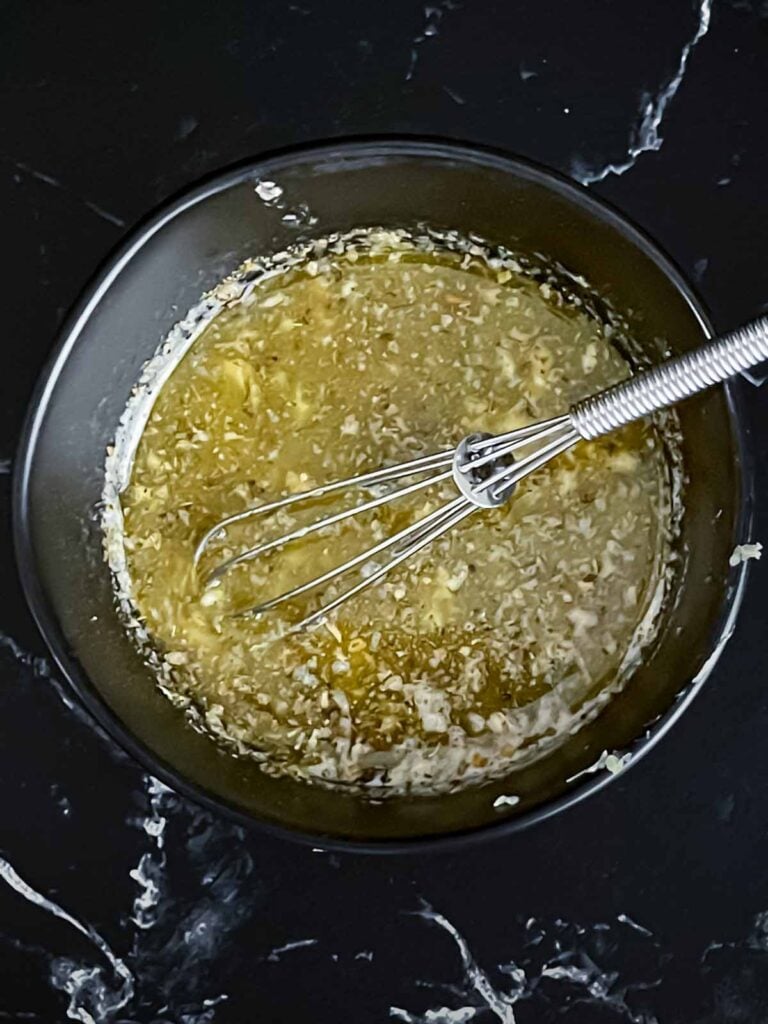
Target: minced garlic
(488, 645)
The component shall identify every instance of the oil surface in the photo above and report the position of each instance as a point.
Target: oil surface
(489, 643)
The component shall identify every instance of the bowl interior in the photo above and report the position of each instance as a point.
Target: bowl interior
(162, 272)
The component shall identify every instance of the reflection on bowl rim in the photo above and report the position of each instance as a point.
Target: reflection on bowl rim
(365, 148)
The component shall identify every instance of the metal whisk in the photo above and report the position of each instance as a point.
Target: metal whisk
(486, 468)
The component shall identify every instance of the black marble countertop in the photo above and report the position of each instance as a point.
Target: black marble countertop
(120, 901)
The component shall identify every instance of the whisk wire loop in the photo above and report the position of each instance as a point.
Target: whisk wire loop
(324, 524)
(365, 480)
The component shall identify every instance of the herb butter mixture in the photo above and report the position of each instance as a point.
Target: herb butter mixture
(489, 646)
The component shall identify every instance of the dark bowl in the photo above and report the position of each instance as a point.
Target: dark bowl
(161, 271)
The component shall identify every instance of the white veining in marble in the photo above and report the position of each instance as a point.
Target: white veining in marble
(631, 923)
(43, 670)
(433, 19)
(95, 994)
(500, 1004)
(442, 1015)
(560, 964)
(48, 179)
(181, 935)
(148, 873)
(646, 137)
(40, 667)
(172, 955)
(459, 100)
(700, 268)
(279, 951)
(61, 800)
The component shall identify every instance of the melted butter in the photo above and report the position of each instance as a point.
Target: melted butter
(483, 645)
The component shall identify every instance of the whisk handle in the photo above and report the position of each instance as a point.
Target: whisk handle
(672, 381)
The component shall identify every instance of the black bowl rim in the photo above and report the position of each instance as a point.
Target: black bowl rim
(360, 146)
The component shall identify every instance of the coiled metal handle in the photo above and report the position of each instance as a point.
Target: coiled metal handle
(672, 380)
